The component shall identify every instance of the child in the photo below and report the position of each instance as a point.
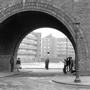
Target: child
(18, 64)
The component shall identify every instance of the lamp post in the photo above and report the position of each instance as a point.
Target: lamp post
(76, 27)
(66, 47)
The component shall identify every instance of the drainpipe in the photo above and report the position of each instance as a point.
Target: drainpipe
(76, 29)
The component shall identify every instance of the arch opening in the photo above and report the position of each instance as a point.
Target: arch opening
(34, 48)
(16, 27)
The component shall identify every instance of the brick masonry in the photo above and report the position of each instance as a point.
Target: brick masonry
(67, 11)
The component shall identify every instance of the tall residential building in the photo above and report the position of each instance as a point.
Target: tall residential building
(47, 47)
(30, 48)
(64, 48)
(56, 49)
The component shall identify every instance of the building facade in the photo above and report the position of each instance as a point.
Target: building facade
(30, 48)
(56, 49)
(47, 47)
(64, 48)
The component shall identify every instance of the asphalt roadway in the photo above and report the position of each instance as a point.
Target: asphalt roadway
(36, 79)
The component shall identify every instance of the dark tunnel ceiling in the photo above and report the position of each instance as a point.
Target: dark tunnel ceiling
(26, 21)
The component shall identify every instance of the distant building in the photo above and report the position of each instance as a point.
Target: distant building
(30, 48)
(47, 49)
(64, 48)
(56, 49)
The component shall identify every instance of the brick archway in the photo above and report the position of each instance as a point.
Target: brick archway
(46, 7)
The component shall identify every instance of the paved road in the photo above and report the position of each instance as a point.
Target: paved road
(42, 65)
(33, 81)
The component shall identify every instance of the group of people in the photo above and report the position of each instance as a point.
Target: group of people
(18, 64)
(69, 65)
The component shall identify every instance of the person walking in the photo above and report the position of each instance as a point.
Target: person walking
(18, 64)
(12, 63)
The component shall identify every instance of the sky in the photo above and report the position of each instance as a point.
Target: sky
(46, 31)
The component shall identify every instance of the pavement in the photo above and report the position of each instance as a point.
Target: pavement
(7, 73)
(69, 80)
(59, 79)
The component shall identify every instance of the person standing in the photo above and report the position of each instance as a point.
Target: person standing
(69, 63)
(65, 66)
(71, 66)
(12, 63)
(47, 64)
(18, 64)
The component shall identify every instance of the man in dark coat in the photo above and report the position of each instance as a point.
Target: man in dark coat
(69, 63)
(65, 66)
(46, 63)
(12, 63)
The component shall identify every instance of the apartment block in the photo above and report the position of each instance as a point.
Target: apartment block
(30, 48)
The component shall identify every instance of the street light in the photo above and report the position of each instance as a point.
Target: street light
(76, 27)
(66, 47)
